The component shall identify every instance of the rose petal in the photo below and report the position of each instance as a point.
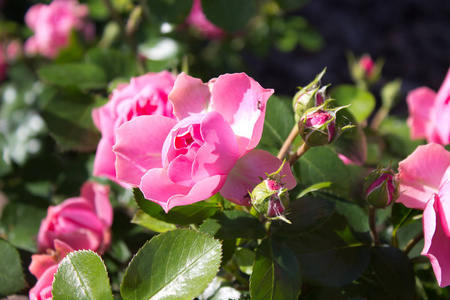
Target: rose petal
(43, 287)
(157, 187)
(189, 96)
(247, 172)
(138, 146)
(420, 102)
(40, 263)
(437, 244)
(98, 195)
(444, 203)
(242, 102)
(420, 174)
(103, 158)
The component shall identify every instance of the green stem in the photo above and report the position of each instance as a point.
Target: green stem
(373, 227)
(379, 117)
(413, 242)
(300, 151)
(288, 142)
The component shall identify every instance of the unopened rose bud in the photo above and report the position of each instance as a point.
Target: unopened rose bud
(310, 96)
(364, 71)
(381, 187)
(367, 65)
(317, 128)
(270, 198)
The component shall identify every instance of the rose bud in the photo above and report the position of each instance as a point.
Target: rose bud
(310, 96)
(365, 71)
(381, 187)
(270, 198)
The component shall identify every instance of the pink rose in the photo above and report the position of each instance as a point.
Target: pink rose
(44, 267)
(198, 20)
(52, 25)
(144, 95)
(82, 223)
(209, 149)
(425, 184)
(429, 113)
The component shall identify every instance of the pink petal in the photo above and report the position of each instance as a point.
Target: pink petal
(242, 102)
(138, 146)
(444, 203)
(219, 153)
(32, 15)
(157, 187)
(441, 113)
(189, 96)
(420, 174)
(104, 162)
(98, 195)
(247, 172)
(42, 289)
(437, 244)
(40, 263)
(420, 102)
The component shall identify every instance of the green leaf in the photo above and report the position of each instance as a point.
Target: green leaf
(306, 214)
(181, 215)
(20, 224)
(245, 258)
(233, 224)
(12, 278)
(390, 92)
(145, 220)
(177, 264)
(81, 275)
(231, 15)
(327, 260)
(397, 135)
(362, 102)
(84, 76)
(321, 164)
(394, 271)
(114, 63)
(313, 188)
(278, 123)
(67, 113)
(276, 272)
(170, 11)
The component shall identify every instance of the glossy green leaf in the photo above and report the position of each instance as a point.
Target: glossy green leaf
(233, 224)
(182, 215)
(231, 15)
(245, 258)
(12, 279)
(362, 102)
(321, 164)
(170, 11)
(327, 260)
(67, 113)
(113, 62)
(177, 264)
(278, 123)
(276, 272)
(394, 271)
(306, 214)
(81, 275)
(145, 220)
(84, 76)
(397, 135)
(313, 188)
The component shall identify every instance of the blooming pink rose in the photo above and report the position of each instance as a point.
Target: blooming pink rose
(44, 267)
(425, 184)
(144, 95)
(198, 20)
(429, 113)
(209, 149)
(82, 223)
(52, 25)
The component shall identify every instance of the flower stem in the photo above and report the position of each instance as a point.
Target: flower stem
(300, 151)
(413, 242)
(288, 142)
(379, 117)
(373, 227)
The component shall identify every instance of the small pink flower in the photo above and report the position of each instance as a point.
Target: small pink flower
(367, 64)
(429, 113)
(425, 184)
(198, 20)
(44, 267)
(52, 25)
(209, 149)
(82, 223)
(144, 95)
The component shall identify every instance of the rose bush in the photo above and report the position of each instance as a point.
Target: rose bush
(208, 150)
(44, 267)
(144, 95)
(428, 113)
(52, 25)
(425, 184)
(82, 223)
